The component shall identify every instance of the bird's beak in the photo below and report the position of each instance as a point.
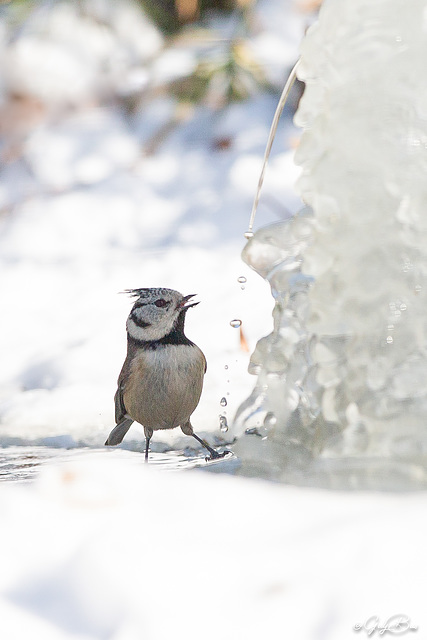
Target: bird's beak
(183, 304)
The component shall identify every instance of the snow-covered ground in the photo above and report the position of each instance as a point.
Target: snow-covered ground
(109, 549)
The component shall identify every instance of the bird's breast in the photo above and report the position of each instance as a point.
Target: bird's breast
(164, 385)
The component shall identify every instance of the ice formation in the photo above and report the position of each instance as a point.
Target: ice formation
(342, 379)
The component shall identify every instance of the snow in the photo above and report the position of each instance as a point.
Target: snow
(122, 551)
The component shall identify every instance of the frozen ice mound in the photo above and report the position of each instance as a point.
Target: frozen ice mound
(343, 375)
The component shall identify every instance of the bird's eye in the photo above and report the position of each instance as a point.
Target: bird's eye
(160, 303)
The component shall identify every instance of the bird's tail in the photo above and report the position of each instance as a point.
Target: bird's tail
(119, 432)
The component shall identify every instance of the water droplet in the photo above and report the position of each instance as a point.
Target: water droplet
(270, 420)
(389, 339)
(223, 424)
(235, 323)
(226, 366)
(249, 234)
(223, 402)
(403, 307)
(242, 281)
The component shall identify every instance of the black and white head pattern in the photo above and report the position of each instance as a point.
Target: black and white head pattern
(155, 313)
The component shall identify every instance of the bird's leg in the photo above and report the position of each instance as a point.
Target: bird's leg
(214, 454)
(148, 433)
(188, 430)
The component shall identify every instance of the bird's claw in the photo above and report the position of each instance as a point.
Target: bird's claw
(216, 456)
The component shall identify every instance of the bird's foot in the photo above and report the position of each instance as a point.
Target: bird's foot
(216, 456)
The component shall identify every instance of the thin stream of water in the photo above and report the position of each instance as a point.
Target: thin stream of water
(279, 109)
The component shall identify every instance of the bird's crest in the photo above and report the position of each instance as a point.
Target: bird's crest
(138, 293)
(146, 292)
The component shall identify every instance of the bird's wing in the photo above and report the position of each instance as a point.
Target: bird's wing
(120, 409)
(123, 420)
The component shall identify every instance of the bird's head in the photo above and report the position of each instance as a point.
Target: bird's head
(156, 312)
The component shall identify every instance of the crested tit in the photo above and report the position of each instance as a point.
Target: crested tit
(161, 380)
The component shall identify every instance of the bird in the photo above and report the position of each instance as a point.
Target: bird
(161, 380)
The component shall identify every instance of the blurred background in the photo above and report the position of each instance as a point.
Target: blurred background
(132, 136)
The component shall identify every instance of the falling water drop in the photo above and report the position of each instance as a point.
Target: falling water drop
(248, 235)
(223, 402)
(226, 366)
(235, 323)
(223, 424)
(270, 420)
(242, 281)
